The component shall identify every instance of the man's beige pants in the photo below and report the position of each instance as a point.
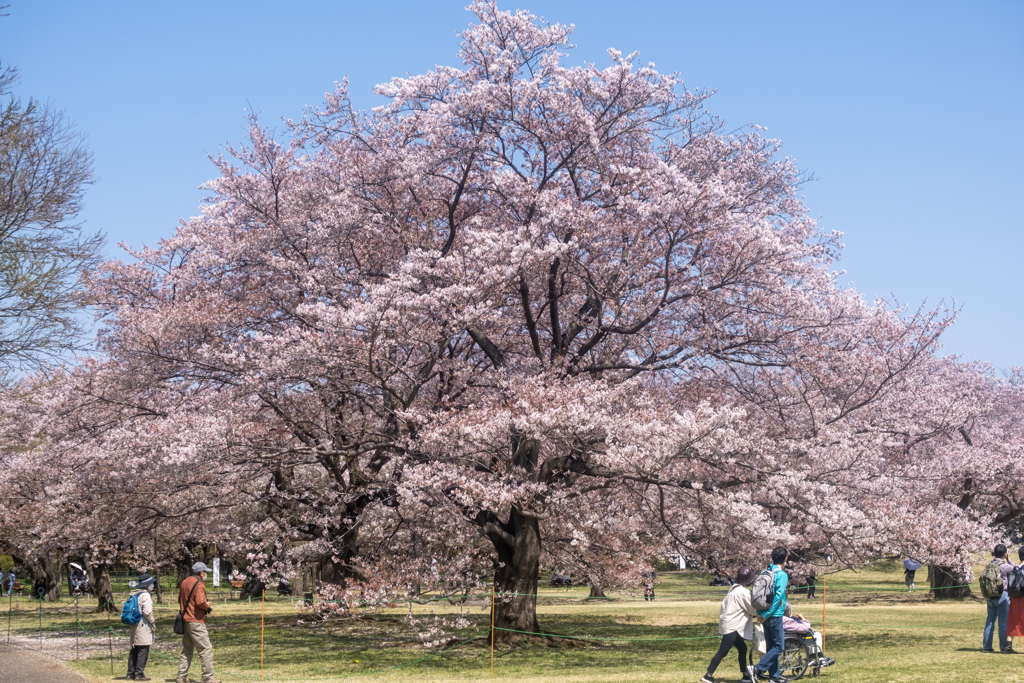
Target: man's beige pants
(196, 638)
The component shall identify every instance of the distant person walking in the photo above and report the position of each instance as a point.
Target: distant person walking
(10, 582)
(910, 567)
(994, 584)
(143, 632)
(769, 597)
(812, 582)
(194, 608)
(735, 623)
(649, 578)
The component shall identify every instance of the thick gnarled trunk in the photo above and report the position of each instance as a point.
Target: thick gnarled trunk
(102, 588)
(252, 587)
(45, 583)
(947, 584)
(518, 546)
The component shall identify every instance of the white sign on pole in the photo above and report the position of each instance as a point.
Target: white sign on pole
(216, 572)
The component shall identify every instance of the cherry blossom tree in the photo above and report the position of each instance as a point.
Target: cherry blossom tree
(522, 311)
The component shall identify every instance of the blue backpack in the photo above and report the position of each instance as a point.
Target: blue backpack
(130, 613)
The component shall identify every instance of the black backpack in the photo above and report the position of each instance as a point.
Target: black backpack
(1016, 582)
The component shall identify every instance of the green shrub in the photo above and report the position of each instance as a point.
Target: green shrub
(6, 563)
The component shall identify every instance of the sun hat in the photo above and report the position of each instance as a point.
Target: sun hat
(200, 567)
(145, 581)
(745, 576)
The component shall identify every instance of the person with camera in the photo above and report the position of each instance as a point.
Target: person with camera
(194, 607)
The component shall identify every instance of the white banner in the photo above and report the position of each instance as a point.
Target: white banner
(216, 572)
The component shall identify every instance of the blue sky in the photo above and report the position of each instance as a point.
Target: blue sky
(909, 114)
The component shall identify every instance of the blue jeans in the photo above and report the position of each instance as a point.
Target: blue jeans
(997, 607)
(774, 637)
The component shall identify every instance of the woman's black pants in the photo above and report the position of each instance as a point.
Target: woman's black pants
(728, 640)
(137, 658)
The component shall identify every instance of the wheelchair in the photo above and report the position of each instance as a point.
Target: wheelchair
(800, 652)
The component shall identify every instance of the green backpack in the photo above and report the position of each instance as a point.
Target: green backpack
(992, 580)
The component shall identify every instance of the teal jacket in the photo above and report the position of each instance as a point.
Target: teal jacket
(779, 602)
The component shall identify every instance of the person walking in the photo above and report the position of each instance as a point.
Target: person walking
(1015, 589)
(194, 608)
(142, 634)
(10, 581)
(735, 623)
(812, 582)
(994, 583)
(774, 636)
(910, 567)
(649, 578)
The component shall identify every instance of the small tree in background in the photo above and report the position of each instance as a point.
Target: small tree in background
(44, 169)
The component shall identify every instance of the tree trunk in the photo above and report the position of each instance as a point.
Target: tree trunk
(253, 587)
(159, 588)
(518, 548)
(89, 573)
(596, 591)
(44, 579)
(941, 578)
(102, 589)
(184, 560)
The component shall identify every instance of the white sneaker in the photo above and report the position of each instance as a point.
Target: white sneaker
(706, 679)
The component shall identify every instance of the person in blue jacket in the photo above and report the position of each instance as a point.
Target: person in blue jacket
(774, 636)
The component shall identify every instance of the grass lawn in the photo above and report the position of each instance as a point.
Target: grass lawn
(875, 631)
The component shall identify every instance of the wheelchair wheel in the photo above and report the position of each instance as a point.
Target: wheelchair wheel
(793, 660)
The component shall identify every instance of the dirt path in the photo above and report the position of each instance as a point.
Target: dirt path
(23, 666)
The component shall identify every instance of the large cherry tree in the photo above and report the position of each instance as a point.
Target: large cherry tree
(552, 309)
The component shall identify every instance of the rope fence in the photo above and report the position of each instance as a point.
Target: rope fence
(20, 621)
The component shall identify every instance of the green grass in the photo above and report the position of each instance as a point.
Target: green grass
(875, 630)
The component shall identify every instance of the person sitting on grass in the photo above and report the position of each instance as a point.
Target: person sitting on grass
(735, 624)
(796, 623)
(720, 580)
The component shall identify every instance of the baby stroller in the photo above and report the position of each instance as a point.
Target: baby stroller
(79, 581)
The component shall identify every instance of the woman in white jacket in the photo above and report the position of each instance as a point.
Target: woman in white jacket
(141, 635)
(735, 624)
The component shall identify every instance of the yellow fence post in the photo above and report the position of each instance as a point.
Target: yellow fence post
(263, 610)
(824, 605)
(492, 629)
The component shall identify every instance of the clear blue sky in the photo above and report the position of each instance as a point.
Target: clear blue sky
(910, 114)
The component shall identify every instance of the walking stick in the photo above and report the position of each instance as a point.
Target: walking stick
(78, 622)
(10, 604)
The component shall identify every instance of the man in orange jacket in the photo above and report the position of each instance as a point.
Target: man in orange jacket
(194, 607)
